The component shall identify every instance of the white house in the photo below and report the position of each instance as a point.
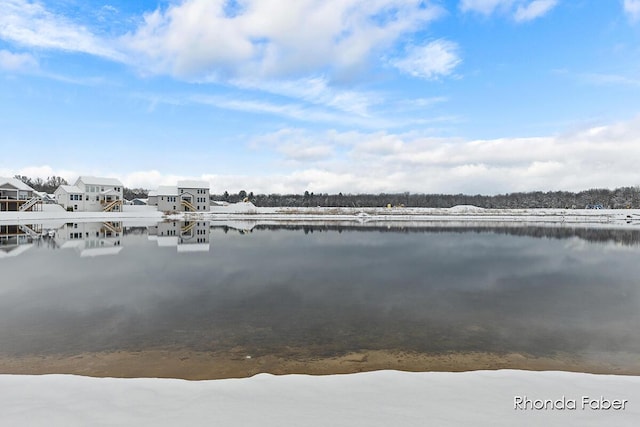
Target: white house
(187, 196)
(91, 194)
(15, 195)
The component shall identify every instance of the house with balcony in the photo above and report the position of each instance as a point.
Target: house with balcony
(91, 194)
(15, 195)
(186, 196)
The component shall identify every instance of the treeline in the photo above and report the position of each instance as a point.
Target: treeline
(620, 198)
(48, 186)
(134, 193)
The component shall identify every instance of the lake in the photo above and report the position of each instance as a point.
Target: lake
(124, 300)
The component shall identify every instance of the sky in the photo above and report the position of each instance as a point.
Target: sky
(279, 96)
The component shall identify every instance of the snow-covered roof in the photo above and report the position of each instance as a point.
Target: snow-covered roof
(193, 184)
(70, 189)
(16, 183)
(153, 193)
(94, 180)
(167, 190)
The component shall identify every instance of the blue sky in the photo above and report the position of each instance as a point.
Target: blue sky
(473, 96)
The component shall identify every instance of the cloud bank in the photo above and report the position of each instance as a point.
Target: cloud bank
(355, 162)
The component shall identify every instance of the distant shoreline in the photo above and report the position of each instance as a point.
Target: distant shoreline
(248, 212)
(200, 365)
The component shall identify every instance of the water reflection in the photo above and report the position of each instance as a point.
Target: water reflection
(186, 236)
(89, 239)
(322, 290)
(16, 239)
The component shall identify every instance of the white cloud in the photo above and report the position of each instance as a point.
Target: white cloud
(318, 91)
(533, 10)
(301, 50)
(435, 59)
(521, 10)
(291, 110)
(30, 24)
(17, 61)
(272, 39)
(486, 7)
(295, 145)
(632, 8)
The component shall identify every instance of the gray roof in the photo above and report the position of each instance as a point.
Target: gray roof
(15, 183)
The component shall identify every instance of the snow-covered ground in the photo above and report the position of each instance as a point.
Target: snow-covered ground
(56, 212)
(247, 211)
(382, 398)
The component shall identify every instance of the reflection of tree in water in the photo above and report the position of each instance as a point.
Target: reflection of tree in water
(624, 237)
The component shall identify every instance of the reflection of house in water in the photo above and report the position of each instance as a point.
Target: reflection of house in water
(16, 239)
(187, 196)
(186, 236)
(91, 238)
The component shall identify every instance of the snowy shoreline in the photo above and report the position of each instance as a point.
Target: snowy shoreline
(408, 216)
(381, 398)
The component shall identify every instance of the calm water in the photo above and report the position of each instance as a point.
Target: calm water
(321, 290)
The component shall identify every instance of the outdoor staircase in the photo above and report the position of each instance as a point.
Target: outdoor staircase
(111, 227)
(110, 205)
(188, 205)
(187, 227)
(30, 203)
(30, 232)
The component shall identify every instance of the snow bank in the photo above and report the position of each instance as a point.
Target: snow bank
(235, 208)
(383, 398)
(55, 212)
(465, 209)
